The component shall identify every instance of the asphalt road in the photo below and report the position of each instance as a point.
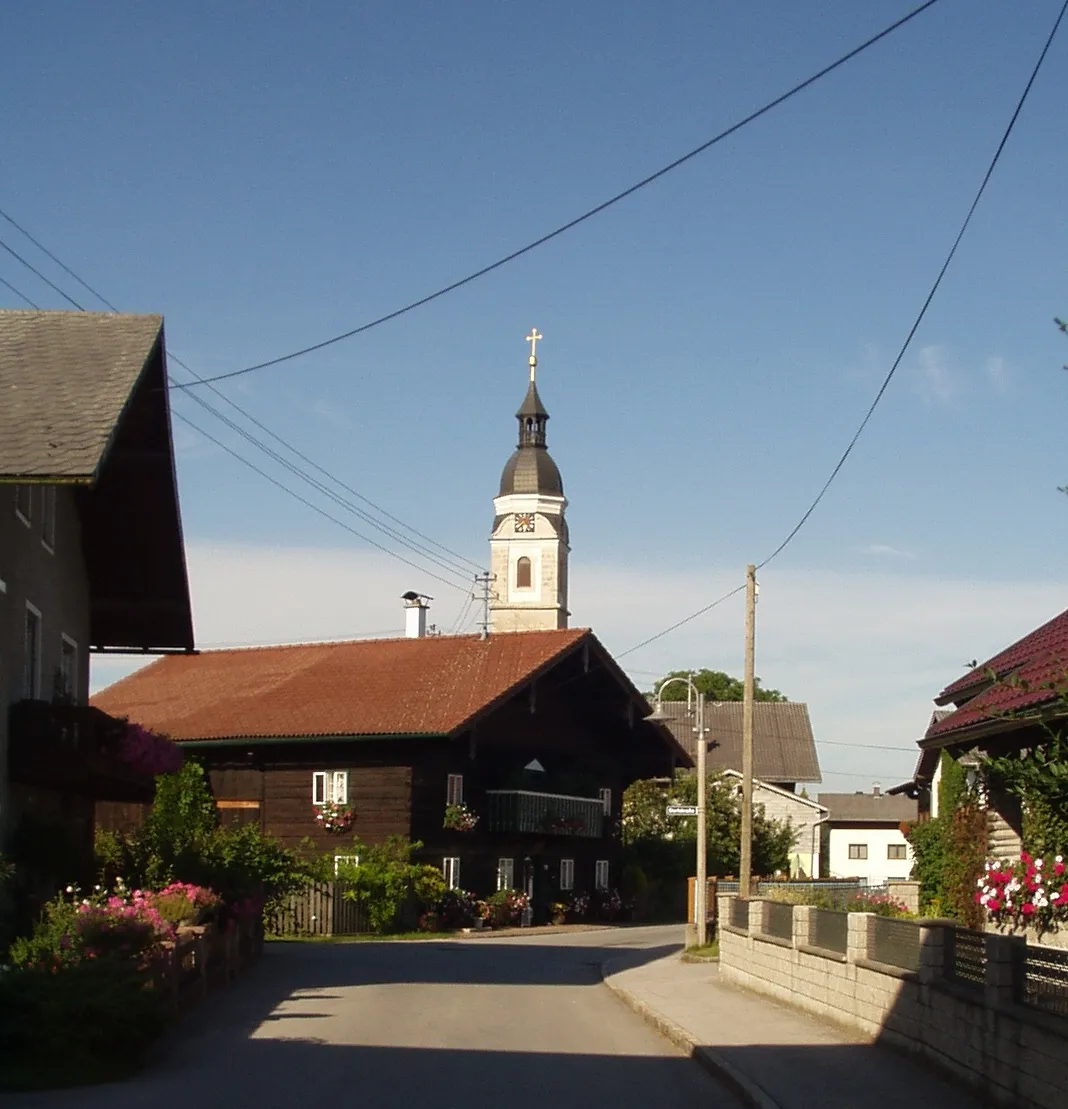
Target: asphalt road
(486, 1023)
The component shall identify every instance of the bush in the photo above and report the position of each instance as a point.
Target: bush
(384, 878)
(92, 1022)
(457, 910)
(72, 931)
(181, 841)
(506, 907)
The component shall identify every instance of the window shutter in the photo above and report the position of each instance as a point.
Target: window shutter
(454, 790)
(340, 790)
(319, 787)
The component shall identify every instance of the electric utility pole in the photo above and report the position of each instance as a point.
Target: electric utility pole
(746, 866)
(485, 580)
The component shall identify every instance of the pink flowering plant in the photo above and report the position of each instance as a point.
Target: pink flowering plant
(74, 929)
(185, 903)
(1030, 893)
(334, 816)
(148, 753)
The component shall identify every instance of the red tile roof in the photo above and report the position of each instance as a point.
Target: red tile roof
(1029, 674)
(429, 686)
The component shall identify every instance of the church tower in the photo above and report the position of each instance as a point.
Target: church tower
(529, 545)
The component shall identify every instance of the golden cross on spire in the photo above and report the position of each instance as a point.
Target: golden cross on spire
(533, 339)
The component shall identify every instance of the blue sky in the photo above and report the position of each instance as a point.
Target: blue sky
(267, 175)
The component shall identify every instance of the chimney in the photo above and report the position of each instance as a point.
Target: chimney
(875, 792)
(415, 609)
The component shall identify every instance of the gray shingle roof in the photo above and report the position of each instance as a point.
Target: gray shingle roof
(783, 747)
(65, 378)
(867, 808)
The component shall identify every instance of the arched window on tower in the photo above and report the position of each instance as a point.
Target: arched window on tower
(522, 573)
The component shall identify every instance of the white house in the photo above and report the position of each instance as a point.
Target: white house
(863, 838)
(805, 816)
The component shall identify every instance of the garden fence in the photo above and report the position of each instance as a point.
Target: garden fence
(1045, 979)
(830, 930)
(966, 957)
(319, 910)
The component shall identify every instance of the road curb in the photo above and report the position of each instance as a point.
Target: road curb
(710, 1059)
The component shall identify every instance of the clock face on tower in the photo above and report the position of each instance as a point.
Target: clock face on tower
(524, 521)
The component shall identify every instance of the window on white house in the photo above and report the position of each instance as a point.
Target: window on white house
(450, 867)
(32, 673)
(343, 861)
(896, 851)
(858, 850)
(567, 874)
(454, 790)
(48, 517)
(330, 785)
(600, 875)
(24, 503)
(606, 800)
(506, 874)
(68, 667)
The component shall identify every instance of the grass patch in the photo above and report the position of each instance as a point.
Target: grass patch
(705, 951)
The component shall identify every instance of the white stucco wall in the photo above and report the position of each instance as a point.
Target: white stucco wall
(877, 868)
(544, 603)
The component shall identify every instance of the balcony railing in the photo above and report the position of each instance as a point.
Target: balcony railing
(520, 810)
(72, 748)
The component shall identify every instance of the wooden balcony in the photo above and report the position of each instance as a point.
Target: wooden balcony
(520, 810)
(72, 749)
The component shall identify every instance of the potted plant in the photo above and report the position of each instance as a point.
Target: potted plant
(558, 912)
(459, 818)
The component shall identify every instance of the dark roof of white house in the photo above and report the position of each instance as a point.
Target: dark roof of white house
(784, 749)
(868, 808)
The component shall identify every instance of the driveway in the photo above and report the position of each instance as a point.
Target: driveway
(517, 1023)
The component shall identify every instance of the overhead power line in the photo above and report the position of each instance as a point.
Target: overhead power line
(445, 565)
(66, 269)
(589, 214)
(326, 473)
(19, 293)
(310, 504)
(33, 269)
(792, 534)
(448, 565)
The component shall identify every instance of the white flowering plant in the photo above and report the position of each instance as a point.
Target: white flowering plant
(1029, 893)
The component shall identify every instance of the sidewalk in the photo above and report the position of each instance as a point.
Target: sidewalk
(771, 1055)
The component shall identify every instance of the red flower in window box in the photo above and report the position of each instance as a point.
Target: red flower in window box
(334, 816)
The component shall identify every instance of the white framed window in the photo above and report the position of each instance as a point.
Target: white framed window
(567, 874)
(345, 860)
(600, 875)
(32, 667)
(606, 800)
(454, 790)
(68, 666)
(24, 503)
(48, 518)
(506, 874)
(896, 851)
(330, 785)
(450, 867)
(858, 850)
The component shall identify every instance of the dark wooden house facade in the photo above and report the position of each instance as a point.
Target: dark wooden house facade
(537, 733)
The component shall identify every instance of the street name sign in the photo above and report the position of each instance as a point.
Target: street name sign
(682, 810)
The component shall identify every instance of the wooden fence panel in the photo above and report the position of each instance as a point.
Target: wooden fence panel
(320, 910)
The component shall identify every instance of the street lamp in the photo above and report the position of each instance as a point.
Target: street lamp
(701, 882)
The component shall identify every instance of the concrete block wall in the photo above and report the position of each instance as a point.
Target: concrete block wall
(1015, 1055)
